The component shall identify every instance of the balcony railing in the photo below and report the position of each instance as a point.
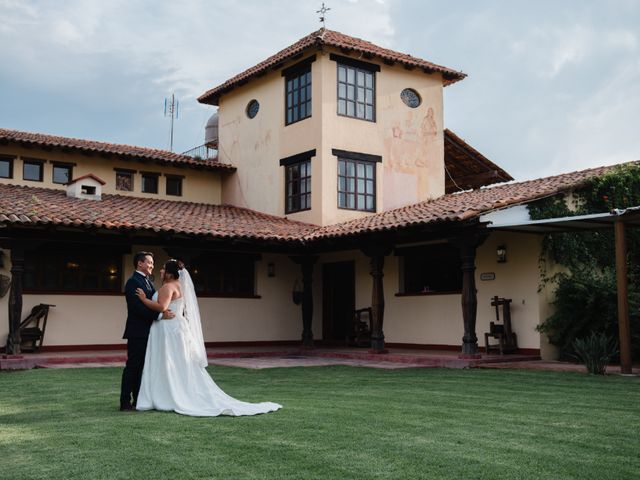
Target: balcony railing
(203, 152)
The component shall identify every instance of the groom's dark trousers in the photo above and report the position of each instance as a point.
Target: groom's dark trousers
(139, 320)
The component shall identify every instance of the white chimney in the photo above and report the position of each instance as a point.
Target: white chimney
(88, 187)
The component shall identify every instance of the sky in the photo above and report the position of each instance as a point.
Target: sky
(553, 85)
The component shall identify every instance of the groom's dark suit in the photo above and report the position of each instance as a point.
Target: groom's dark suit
(139, 320)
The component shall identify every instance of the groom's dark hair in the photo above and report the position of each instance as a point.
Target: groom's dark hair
(139, 257)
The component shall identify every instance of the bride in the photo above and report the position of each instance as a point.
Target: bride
(174, 375)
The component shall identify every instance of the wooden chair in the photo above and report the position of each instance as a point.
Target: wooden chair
(33, 336)
(360, 329)
(507, 339)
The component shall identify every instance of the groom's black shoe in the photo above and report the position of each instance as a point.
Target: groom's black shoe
(126, 407)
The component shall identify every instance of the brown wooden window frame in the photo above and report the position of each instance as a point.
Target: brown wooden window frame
(297, 187)
(298, 91)
(150, 175)
(357, 180)
(68, 166)
(352, 92)
(9, 159)
(174, 178)
(432, 269)
(73, 269)
(33, 161)
(225, 274)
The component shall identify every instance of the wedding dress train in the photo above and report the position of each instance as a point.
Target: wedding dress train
(174, 376)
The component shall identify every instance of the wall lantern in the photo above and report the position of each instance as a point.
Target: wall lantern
(501, 253)
(271, 269)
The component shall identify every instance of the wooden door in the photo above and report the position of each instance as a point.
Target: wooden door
(338, 300)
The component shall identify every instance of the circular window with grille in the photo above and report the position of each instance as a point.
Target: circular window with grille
(252, 108)
(410, 98)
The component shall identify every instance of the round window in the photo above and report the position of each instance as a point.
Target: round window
(252, 108)
(410, 98)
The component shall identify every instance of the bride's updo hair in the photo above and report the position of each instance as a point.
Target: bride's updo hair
(171, 268)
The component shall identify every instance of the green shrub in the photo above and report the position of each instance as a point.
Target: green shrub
(596, 351)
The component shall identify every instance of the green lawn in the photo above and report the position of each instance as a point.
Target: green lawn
(337, 423)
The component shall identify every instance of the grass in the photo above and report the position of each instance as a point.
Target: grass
(337, 423)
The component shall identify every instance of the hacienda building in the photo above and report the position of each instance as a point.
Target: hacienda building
(327, 185)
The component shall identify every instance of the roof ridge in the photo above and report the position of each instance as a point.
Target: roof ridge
(22, 136)
(320, 38)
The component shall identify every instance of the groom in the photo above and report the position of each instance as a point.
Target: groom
(139, 320)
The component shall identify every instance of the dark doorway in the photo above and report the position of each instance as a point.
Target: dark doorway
(338, 300)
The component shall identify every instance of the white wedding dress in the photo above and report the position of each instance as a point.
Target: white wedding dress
(174, 376)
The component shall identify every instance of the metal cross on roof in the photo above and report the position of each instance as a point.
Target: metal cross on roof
(323, 11)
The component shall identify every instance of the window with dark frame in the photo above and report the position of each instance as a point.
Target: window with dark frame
(224, 274)
(124, 180)
(356, 180)
(298, 187)
(6, 166)
(297, 184)
(150, 182)
(356, 87)
(430, 269)
(32, 170)
(72, 270)
(298, 86)
(174, 185)
(62, 173)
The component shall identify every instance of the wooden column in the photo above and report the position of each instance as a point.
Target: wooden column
(15, 299)
(376, 253)
(306, 263)
(468, 245)
(624, 328)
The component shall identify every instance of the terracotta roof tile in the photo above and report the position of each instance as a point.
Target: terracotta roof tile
(162, 157)
(461, 206)
(330, 38)
(29, 205)
(33, 206)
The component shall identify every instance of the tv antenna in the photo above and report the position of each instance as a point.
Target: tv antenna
(323, 13)
(171, 110)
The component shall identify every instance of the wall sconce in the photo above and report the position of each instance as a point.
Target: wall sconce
(271, 269)
(501, 253)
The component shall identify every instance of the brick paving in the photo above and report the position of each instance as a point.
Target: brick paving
(284, 357)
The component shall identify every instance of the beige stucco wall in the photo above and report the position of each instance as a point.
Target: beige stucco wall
(437, 319)
(517, 279)
(100, 319)
(256, 145)
(197, 185)
(410, 141)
